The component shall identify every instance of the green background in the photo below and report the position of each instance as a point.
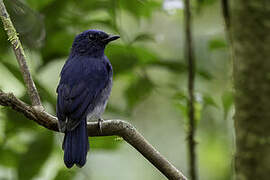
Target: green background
(149, 91)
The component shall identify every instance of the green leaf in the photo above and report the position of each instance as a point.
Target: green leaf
(143, 37)
(180, 96)
(31, 162)
(108, 143)
(138, 90)
(180, 101)
(209, 101)
(204, 74)
(216, 44)
(183, 109)
(227, 102)
(65, 174)
(197, 114)
(8, 157)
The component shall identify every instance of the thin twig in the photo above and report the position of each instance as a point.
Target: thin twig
(20, 55)
(225, 6)
(109, 128)
(226, 13)
(191, 75)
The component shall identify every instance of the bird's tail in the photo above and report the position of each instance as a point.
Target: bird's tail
(76, 145)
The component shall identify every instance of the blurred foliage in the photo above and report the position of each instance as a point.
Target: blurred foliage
(47, 29)
(109, 143)
(28, 23)
(31, 162)
(227, 102)
(65, 174)
(134, 94)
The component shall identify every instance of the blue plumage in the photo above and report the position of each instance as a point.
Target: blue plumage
(83, 91)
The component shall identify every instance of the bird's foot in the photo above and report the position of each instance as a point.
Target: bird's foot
(100, 125)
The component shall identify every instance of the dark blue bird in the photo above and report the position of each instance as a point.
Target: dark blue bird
(83, 91)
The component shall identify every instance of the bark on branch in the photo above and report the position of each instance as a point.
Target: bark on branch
(109, 128)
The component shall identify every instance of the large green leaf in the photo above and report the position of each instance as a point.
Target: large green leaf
(31, 162)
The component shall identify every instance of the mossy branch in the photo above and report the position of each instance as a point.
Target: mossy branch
(20, 55)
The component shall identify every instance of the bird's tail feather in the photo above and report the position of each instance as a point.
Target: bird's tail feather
(76, 145)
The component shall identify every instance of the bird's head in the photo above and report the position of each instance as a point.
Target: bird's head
(92, 42)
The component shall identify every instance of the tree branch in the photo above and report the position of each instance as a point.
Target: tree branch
(109, 128)
(189, 54)
(21, 58)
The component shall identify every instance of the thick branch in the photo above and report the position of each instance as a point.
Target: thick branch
(109, 128)
(189, 53)
(19, 52)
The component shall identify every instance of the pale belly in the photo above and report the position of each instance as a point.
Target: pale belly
(100, 104)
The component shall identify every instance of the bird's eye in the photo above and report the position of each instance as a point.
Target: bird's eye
(91, 37)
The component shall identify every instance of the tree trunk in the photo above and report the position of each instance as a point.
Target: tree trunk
(250, 30)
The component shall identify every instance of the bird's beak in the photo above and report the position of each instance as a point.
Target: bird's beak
(111, 38)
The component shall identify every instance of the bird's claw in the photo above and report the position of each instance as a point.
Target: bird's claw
(100, 125)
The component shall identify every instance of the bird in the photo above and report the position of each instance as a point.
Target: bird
(83, 91)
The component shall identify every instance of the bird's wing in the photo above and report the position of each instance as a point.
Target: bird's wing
(82, 80)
